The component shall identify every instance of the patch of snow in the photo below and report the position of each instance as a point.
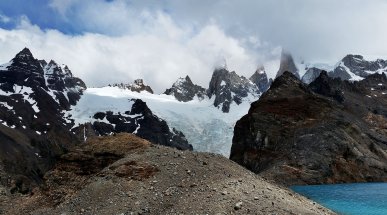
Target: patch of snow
(5, 104)
(38, 132)
(4, 67)
(223, 83)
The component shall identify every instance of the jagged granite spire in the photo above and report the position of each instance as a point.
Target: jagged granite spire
(228, 87)
(287, 64)
(185, 90)
(259, 78)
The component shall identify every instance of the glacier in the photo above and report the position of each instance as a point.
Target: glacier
(206, 127)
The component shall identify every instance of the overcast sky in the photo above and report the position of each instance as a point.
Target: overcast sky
(106, 41)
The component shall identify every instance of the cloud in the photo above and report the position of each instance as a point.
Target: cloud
(317, 30)
(160, 53)
(120, 40)
(62, 6)
(4, 19)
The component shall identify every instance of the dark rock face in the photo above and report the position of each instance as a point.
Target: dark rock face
(310, 75)
(259, 78)
(137, 86)
(287, 64)
(140, 121)
(228, 87)
(357, 65)
(32, 131)
(184, 90)
(329, 132)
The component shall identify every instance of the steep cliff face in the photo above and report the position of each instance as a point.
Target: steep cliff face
(329, 132)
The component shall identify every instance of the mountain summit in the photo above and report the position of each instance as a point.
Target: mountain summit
(287, 64)
(184, 90)
(228, 87)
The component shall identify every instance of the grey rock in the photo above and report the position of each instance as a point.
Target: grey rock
(310, 75)
(259, 78)
(228, 87)
(137, 86)
(184, 90)
(357, 65)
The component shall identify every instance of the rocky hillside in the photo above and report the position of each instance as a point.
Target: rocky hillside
(331, 131)
(124, 174)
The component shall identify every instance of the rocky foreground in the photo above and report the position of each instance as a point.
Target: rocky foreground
(124, 174)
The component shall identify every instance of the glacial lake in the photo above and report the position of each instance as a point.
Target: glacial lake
(358, 198)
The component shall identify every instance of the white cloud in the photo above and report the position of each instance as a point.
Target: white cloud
(160, 53)
(62, 6)
(4, 19)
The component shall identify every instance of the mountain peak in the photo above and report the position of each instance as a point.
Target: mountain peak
(24, 54)
(286, 82)
(287, 64)
(185, 90)
(259, 78)
(229, 87)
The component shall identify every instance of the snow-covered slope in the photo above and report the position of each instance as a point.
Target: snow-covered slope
(206, 127)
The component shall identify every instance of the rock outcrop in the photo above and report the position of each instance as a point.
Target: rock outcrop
(328, 132)
(228, 87)
(184, 90)
(137, 86)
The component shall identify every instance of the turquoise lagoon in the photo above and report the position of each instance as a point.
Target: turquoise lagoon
(357, 198)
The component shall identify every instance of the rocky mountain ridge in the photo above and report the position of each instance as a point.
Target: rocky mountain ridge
(225, 87)
(351, 67)
(331, 131)
(137, 86)
(36, 99)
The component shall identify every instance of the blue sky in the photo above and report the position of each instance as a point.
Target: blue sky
(161, 40)
(38, 11)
